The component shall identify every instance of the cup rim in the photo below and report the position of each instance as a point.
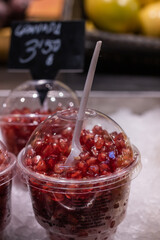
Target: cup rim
(27, 116)
(131, 171)
(9, 168)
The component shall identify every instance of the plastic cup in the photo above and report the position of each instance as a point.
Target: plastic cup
(24, 109)
(79, 204)
(7, 172)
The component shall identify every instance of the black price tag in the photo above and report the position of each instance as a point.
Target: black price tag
(47, 47)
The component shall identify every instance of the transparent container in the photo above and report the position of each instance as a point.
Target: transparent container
(28, 105)
(7, 172)
(87, 200)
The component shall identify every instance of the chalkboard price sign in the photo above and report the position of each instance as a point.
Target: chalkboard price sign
(47, 47)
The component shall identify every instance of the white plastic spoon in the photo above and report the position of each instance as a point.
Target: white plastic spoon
(75, 146)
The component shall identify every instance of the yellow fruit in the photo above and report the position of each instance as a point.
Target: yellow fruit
(150, 19)
(145, 2)
(113, 15)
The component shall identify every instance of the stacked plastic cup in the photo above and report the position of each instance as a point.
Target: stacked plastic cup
(87, 199)
(7, 172)
(28, 105)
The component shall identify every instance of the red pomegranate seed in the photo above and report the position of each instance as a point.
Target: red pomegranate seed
(51, 161)
(59, 168)
(91, 160)
(48, 150)
(104, 166)
(36, 159)
(84, 155)
(82, 165)
(63, 145)
(97, 130)
(102, 156)
(62, 158)
(55, 148)
(30, 152)
(94, 151)
(94, 169)
(28, 162)
(58, 197)
(76, 174)
(98, 141)
(67, 133)
(41, 166)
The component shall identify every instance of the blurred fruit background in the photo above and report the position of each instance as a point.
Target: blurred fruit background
(129, 29)
(124, 16)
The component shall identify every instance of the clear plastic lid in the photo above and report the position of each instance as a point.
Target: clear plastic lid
(7, 164)
(41, 97)
(107, 157)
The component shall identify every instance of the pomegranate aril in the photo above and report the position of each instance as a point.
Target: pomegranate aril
(94, 151)
(76, 174)
(91, 160)
(104, 167)
(30, 152)
(59, 168)
(93, 169)
(38, 145)
(98, 141)
(55, 148)
(84, 155)
(41, 166)
(63, 145)
(28, 162)
(51, 161)
(82, 165)
(67, 133)
(62, 158)
(47, 151)
(102, 156)
(58, 197)
(36, 159)
(97, 130)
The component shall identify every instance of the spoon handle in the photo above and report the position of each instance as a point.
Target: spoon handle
(86, 91)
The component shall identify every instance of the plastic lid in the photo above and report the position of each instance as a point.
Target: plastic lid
(42, 95)
(7, 164)
(62, 123)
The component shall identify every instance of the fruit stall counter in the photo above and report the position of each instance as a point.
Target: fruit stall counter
(138, 113)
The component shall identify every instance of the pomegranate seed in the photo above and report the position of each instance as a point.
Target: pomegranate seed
(59, 168)
(36, 159)
(97, 130)
(48, 150)
(55, 148)
(82, 166)
(58, 197)
(94, 151)
(51, 161)
(104, 166)
(98, 141)
(91, 160)
(84, 155)
(76, 174)
(102, 156)
(41, 166)
(62, 158)
(94, 169)
(28, 161)
(63, 145)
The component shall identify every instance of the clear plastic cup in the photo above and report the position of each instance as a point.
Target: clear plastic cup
(28, 105)
(7, 172)
(89, 199)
